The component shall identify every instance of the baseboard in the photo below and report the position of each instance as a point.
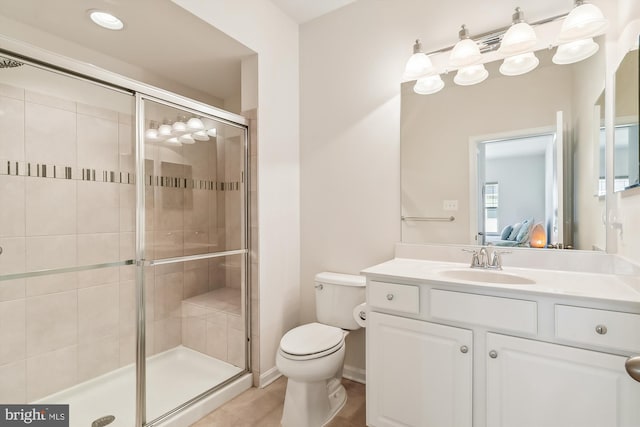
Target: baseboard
(270, 376)
(358, 375)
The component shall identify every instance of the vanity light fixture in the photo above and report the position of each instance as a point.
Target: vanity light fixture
(519, 64)
(151, 134)
(200, 135)
(466, 51)
(165, 130)
(179, 127)
(418, 64)
(584, 21)
(471, 75)
(195, 124)
(428, 85)
(105, 19)
(576, 51)
(519, 38)
(515, 44)
(187, 139)
(181, 131)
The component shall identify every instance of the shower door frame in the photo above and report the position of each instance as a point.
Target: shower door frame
(57, 63)
(142, 262)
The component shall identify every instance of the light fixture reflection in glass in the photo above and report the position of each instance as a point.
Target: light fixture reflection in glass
(195, 123)
(200, 135)
(418, 64)
(584, 21)
(471, 75)
(519, 64)
(466, 51)
(173, 141)
(151, 134)
(212, 132)
(179, 127)
(187, 139)
(519, 38)
(105, 20)
(579, 50)
(165, 130)
(428, 85)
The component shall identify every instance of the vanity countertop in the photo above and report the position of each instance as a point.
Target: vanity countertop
(607, 287)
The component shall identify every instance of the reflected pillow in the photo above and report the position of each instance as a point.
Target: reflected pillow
(506, 232)
(514, 231)
(523, 233)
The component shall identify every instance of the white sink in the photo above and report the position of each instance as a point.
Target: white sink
(487, 276)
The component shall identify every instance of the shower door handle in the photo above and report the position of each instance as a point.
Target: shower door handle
(632, 365)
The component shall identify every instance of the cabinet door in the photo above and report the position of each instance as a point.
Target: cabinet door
(418, 373)
(537, 384)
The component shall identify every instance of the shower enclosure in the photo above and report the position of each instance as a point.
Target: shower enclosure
(123, 247)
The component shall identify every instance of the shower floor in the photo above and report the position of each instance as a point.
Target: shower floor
(173, 377)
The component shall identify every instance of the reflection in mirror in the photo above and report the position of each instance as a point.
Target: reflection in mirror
(599, 145)
(627, 156)
(442, 136)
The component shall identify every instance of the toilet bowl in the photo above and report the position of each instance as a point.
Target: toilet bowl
(311, 356)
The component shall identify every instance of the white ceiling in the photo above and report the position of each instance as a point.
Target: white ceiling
(159, 36)
(302, 11)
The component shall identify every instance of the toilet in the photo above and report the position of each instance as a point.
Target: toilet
(311, 356)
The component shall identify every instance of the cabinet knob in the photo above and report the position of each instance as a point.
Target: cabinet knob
(389, 297)
(601, 329)
(632, 365)
(493, 354)
(464, 349)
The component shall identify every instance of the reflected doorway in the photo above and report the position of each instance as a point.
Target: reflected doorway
(516, 185)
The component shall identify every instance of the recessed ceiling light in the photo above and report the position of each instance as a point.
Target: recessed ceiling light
(105, 19)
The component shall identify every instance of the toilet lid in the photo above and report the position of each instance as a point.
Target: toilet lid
(311, 338)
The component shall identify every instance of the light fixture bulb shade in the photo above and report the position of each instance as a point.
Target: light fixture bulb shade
(212, 132)
(428, 85)
(151, 135)
(187, 139)
(579, 50)
(519, 64)
(173, 141)
(519, 38)
(179, 128)
(418, 66)
(165, 130)
(471, 75)
(465, 52)
(584, 21)
(195, 124)
(200, 135)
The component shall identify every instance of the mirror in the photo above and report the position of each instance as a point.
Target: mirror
(627, 156)
(444, 135)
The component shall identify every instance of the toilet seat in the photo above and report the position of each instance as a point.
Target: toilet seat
(311, 341)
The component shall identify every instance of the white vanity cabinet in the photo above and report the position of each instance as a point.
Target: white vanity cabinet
(451, 355)
(419, 373)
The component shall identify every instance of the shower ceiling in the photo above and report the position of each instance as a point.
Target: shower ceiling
(159, 37)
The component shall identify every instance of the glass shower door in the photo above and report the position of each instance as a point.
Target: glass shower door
(195, 254)
(67, 210)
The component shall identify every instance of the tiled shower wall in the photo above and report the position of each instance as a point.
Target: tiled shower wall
(67, 199)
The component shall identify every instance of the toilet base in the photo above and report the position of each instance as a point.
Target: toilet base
(312, 404)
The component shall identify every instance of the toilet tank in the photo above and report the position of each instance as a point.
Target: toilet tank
(336, 296)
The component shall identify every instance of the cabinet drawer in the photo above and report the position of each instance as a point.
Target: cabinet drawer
(598, 327)
(392, 296)
(494, 312)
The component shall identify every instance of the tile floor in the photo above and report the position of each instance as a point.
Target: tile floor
(263, 408)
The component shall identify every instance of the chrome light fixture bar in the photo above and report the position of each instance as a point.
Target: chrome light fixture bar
(515, 44)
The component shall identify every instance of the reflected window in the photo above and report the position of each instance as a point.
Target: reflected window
(491, 207)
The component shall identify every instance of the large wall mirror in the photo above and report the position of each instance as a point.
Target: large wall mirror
(627, 154)
(477, 159)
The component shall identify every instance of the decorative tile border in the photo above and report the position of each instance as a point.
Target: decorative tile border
(41, 170)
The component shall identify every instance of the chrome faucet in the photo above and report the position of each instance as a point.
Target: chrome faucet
(485, 258)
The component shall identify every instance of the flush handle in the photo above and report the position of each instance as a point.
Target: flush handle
(601, 329)
(389, 297)
(632, 365)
